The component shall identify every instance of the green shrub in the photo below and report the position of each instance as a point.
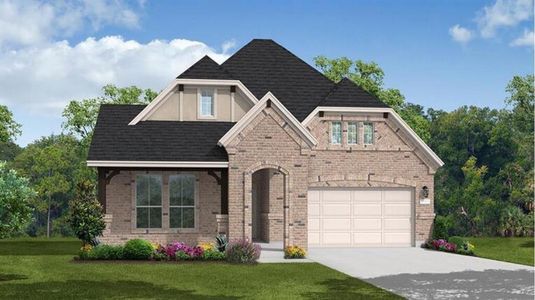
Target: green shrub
(466, 248)
(138, 249)
(106, 252)
(181, 255)
(457, 240)
(443, 227)
(213, 254)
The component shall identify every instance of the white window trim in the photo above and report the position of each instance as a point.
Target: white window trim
(195, 203)
(148, 206)
(199, 115)
(364, 133)
(331, 131)
(356, 133)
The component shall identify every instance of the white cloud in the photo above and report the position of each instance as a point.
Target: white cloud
(460, 34)
(34, 22)
(526, 39)
(228, 45)
(42, 79)
(503, 13)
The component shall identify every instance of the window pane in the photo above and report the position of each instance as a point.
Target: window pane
(174, 190)
(155, 217)
(207, 103)
(142, 190)
(142, 217)
(188, 217)
(336, 133)
(175, 217)
(351, 133)
(155, 188)
(368, 133)
(188, 190)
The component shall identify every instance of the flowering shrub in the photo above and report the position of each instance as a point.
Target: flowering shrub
(242, 251)
(441, 245)
(207, 246)
(294, 252)
(455, 245)
(180, 251)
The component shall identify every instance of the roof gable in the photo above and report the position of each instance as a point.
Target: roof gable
(205, 68)
(268, 100)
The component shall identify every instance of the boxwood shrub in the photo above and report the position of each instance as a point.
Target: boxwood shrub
(138, 249)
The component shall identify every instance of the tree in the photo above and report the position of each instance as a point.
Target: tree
(15, 196)
(86, 217)
(369, 76)
(52, 166)
(81, 115)
(8, 127)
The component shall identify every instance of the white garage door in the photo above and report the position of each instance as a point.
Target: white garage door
(360, 217)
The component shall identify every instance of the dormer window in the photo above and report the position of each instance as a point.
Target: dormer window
(206, 103)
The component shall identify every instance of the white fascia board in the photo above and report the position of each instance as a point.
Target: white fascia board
(157, 164)
(432, 155)
(147, 111)
(255, 110)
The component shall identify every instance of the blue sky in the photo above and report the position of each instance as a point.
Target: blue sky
(67, 51)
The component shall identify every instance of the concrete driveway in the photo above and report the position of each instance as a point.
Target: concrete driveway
(423, 274)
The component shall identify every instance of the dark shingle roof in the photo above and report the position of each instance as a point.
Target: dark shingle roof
(205, 68)
(347, 93)
(263, 65)
(114, 139)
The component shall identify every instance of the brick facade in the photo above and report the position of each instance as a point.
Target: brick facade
(268, 142)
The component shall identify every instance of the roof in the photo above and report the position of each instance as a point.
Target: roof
(115, 140)
(205, 68)
(265, 66)
(346, 93)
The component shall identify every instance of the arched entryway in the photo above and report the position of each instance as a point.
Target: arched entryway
(267, 205)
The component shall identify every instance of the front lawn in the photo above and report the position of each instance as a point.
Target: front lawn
(41, 269)
(515, 249)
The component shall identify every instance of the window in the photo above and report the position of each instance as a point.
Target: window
(336, 133)
(149, 201)
(352, 133)
(368, 133)
(207, 103)
(182, 201)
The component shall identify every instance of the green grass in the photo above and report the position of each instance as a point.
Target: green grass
(41, 269)
(515, 249)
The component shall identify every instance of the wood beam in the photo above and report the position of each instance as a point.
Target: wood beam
(102, 187)
(224, 191)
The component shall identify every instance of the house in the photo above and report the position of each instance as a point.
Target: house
(263, 147)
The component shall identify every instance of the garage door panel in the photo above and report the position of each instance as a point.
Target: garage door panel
(367, 238)
(397, 210)
(397, 224)
(397, 195)
(367, 224)
(397, 238)
(313, 209)
(314, 238)
(337, 209)
(336, 224)
(336, 196)
(368, 196)
(314, 224)
(367, 210)
(336, 238)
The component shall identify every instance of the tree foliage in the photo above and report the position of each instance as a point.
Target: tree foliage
(81, 115)
(15, 196)
(9, 128)
(85, 214)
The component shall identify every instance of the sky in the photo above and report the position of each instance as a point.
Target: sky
(439, 54)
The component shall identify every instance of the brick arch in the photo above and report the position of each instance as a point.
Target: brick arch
(248, 193)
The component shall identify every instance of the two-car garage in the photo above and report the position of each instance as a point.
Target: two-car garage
(360, 217)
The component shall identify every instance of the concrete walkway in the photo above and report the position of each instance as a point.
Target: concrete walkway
(423, 274)
(273, 253)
